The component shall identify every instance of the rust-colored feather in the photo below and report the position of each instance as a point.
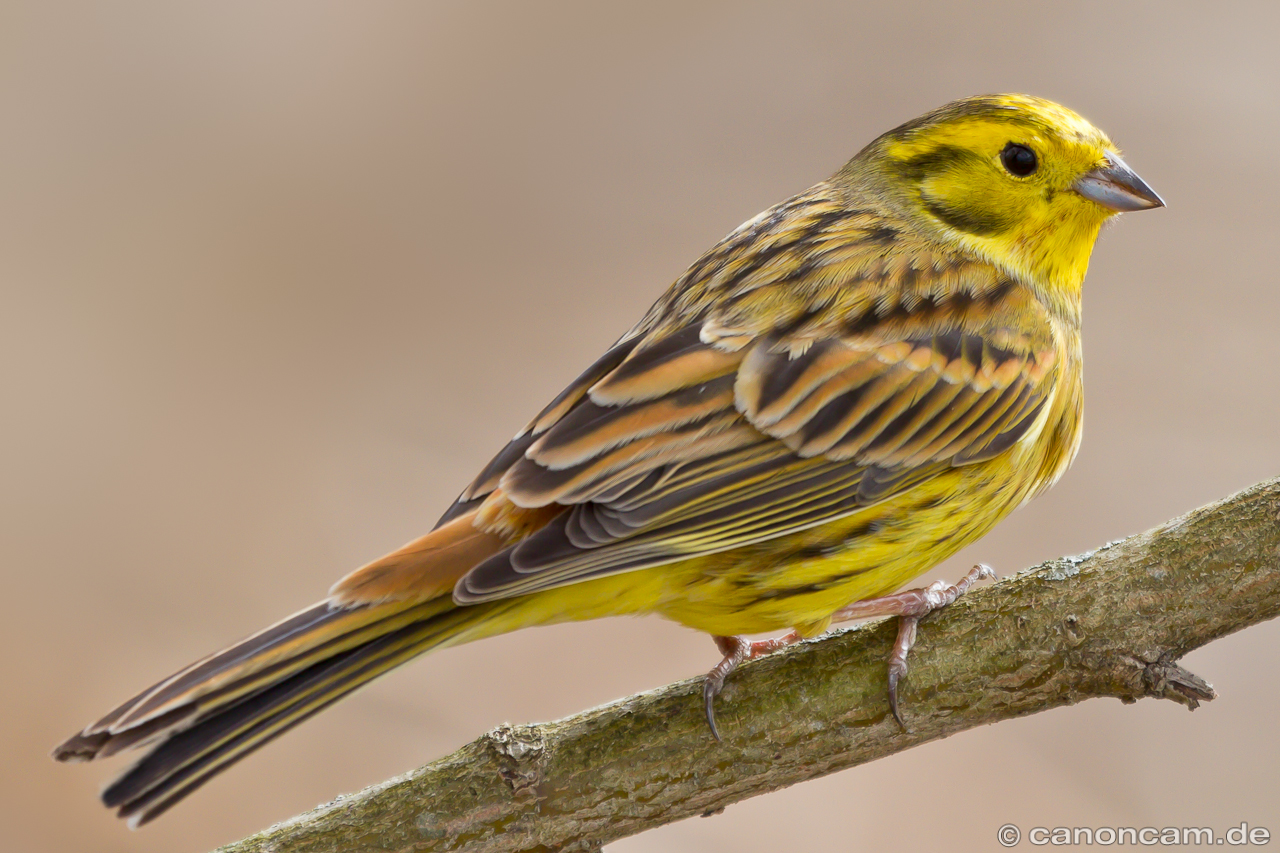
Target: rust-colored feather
(427, 567)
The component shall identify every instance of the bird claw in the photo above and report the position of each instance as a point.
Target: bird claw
(894, 674)
(910, 606)
(710, 689)
(735, 651)
(898, 662)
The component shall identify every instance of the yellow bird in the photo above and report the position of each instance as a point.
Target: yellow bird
(843, 392)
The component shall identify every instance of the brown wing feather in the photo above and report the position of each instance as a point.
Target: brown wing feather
(814, 431)
(905, 403)
(487, 480)
(825, 360)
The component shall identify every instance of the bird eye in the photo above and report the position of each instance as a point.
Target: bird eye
(1018, 159)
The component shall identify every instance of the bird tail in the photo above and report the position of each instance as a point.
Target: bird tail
(209, 715)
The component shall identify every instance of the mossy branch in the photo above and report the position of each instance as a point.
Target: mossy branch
(1109, 623)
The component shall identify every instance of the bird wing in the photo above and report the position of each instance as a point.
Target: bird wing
(713, 435)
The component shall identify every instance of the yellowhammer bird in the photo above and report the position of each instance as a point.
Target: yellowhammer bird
(846, 390)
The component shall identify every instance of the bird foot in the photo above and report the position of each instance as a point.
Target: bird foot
(735, 650)
(910, 606)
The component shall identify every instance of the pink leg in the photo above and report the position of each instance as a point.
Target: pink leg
(910, 606)
(735, 651)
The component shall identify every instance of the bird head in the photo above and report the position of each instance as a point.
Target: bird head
(1021, 181)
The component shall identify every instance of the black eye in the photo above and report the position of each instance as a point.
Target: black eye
(1018, 159)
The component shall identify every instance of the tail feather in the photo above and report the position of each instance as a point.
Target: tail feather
(216, 680)
(363, 605)
(290, 646)
(219, 710)
(189, 758)
(232, 665)
(208, 715)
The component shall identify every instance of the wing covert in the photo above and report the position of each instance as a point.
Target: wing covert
(689, 447)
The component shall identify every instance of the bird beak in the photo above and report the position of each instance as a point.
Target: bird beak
(1117, 187)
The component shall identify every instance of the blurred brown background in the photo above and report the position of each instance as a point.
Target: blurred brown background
(277, 278)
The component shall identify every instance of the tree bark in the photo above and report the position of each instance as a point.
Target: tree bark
(1109, 623)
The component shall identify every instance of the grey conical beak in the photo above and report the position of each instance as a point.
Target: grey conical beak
(1117, 187)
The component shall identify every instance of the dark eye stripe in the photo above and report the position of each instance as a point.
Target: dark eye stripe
(935, 160)
(971, 220)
